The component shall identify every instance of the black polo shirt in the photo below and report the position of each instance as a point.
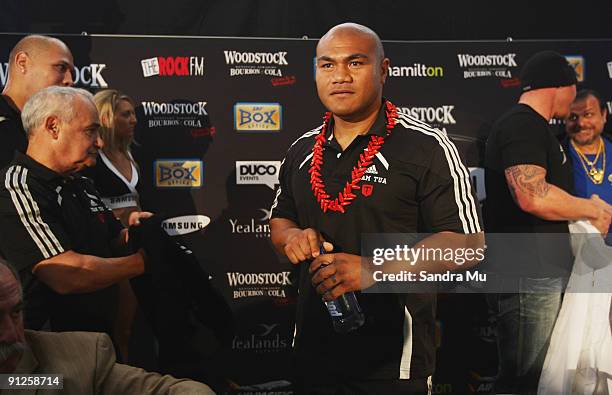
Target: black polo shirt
(43, 214)
(12, 135)
(417, 183)
(523, 137)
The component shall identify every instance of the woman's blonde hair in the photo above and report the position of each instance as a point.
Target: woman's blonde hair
(106, 102)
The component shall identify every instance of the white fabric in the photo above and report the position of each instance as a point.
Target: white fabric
(579, 359)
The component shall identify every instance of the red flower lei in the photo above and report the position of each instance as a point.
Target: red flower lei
(346, 196)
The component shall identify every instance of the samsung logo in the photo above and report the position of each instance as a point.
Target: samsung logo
(184, 225)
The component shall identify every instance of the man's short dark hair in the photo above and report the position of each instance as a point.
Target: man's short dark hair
(584, 93)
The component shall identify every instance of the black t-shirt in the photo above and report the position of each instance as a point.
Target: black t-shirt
(12, 135)
(117, 192)
(43, 214)
(523, 137)
(417, 183)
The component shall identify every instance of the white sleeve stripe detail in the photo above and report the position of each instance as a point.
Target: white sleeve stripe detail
(310, 133)
(458, 181)
(410, 118)
(461, 180)
(306, 160)
(8, 181)
(278, 192)
(19, 177)
(406, 359)
(45, 227)
(382, 160)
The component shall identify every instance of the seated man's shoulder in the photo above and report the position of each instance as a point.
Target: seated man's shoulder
(58, 344)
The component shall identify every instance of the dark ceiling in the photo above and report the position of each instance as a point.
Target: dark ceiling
(393, 20)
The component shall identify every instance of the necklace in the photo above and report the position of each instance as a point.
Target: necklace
(595, 174)
(346, 196)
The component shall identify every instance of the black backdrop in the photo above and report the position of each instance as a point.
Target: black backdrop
(198, 121)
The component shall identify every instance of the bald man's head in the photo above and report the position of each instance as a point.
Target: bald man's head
(34, 45)
(355, 29)
(351, 71)
(35, 63)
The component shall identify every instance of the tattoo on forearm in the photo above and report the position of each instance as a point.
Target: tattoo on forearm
(528, 179)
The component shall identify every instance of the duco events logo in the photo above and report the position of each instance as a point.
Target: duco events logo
(178, 173)
(181, 66)
(178, 114)
(255, 63)
(254, 226)
(266, 338)
(577, 63)
(185, 224)
(87, 76)
(416, 70)
(249, 285)
(257, 173)
(253, 117)
(478, 66)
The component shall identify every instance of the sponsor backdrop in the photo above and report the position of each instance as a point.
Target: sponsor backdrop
(215, 118)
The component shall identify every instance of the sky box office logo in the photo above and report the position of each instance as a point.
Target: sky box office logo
(178, 173)
(258, 117)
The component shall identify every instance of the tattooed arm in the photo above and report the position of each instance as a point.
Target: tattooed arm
(534, 195)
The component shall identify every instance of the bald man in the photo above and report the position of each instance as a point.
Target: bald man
(367, 169)
(35, 63)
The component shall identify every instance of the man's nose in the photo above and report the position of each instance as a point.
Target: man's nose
(68, 80)
(99, 143)
(342, 74)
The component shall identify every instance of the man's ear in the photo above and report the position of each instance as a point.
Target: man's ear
(52, 124)
(21, 62)
(384, 69)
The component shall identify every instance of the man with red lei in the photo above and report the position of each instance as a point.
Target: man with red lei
(368, 169)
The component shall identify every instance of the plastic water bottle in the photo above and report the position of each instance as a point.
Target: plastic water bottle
(345, 312)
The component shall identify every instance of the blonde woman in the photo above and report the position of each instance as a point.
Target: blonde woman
(116, 173)
(115, 176)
